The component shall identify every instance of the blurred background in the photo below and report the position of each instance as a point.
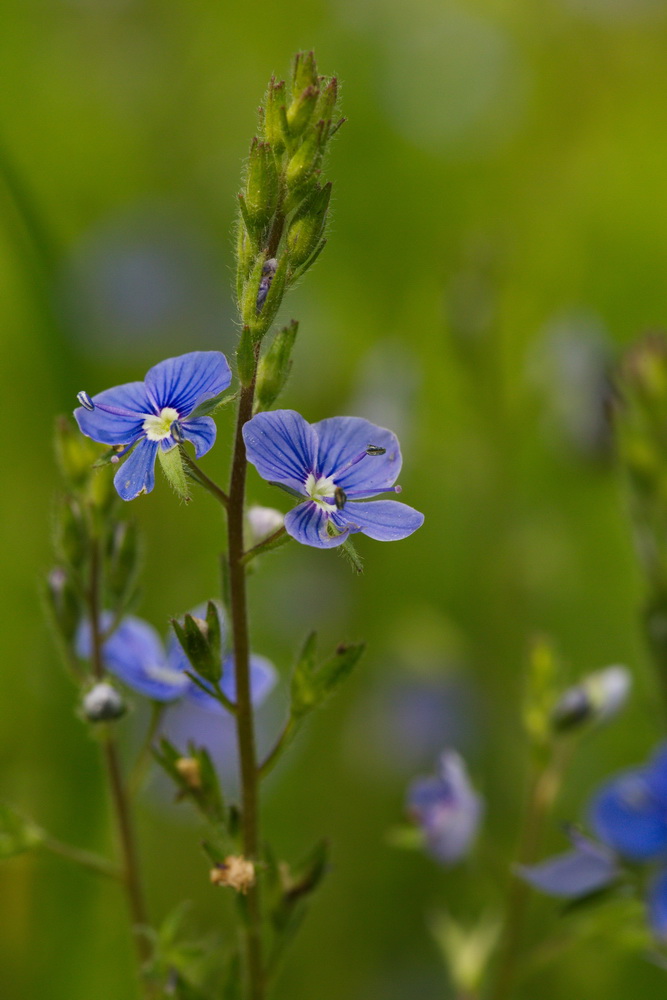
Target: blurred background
(498, 234)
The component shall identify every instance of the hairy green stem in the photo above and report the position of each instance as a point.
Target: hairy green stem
(274, 755)
(245, 727)
(278, 537)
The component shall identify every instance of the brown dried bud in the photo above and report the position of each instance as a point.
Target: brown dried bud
(236, 872)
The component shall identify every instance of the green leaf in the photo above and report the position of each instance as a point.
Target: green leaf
(17, 834)
(172, 466)
(311, 685)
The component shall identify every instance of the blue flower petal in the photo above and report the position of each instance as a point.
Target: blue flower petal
(137, 473)
(576, 873)
(201, 431)
(134, 653)
(657, 906)
(132, 402)
(185, 382)
(344, 439)
(308, 524)
(282, 446)
(656, 774)
(383, 520)
(627, 816)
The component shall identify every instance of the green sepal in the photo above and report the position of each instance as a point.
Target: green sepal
(275, 122)
(17, 834)
(349, 552)
(212, 405)
(296, 885)
(262, 187)
(275, 366)
(312, 684)
(306, 229)
(208, 796)
(305, 160)
(172, 466)
(202, 649)
(326, 108)
(304, 72)
(299, 273)
(245, 357)
(246, 251)
(301, 110)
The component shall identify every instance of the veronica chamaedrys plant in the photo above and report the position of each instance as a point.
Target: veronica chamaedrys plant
(334, 467)
(629, 816)
(335, 464)
(154, 416)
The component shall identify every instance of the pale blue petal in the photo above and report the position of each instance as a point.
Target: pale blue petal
(185, 382)
(134, 405)
(627, 816)
(574, 874)
(383, 520)
(134, 653)
(201, 431)
(282, 446)
(657, 906)
(342, 440)
(308, 524)
(656, 774)
(137, 473)
(263, 679)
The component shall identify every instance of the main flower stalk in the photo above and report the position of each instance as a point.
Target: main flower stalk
(245, 726)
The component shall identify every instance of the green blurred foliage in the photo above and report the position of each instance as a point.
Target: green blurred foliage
(496, 234)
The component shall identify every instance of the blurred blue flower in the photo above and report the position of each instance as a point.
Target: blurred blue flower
(447, 809)
(629, 815)
(331, 463)
(143, 414)
(136, 655)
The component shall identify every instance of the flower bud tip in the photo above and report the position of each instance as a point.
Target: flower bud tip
(85, 400)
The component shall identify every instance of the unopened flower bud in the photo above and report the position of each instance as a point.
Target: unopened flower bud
(307, 227)
(262, 522)
(236, 872)
(103, 703)
(306, 159)
(304, 72)
(262, 186)
(596, 698)
(275, 366)
(275, 120)
(301, 110)
(190, 771)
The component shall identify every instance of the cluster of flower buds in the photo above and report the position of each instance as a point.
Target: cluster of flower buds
(284, 204)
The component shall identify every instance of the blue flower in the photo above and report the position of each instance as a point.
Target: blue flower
(629, 815)
(136, 655)
(143, 414)
(334, 464)
(447, 809)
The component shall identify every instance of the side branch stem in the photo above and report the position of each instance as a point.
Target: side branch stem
(244, 712)
(544, 787)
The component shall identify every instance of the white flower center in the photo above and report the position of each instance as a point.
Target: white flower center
(165, 675)
(319, 489)
(159, 427)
